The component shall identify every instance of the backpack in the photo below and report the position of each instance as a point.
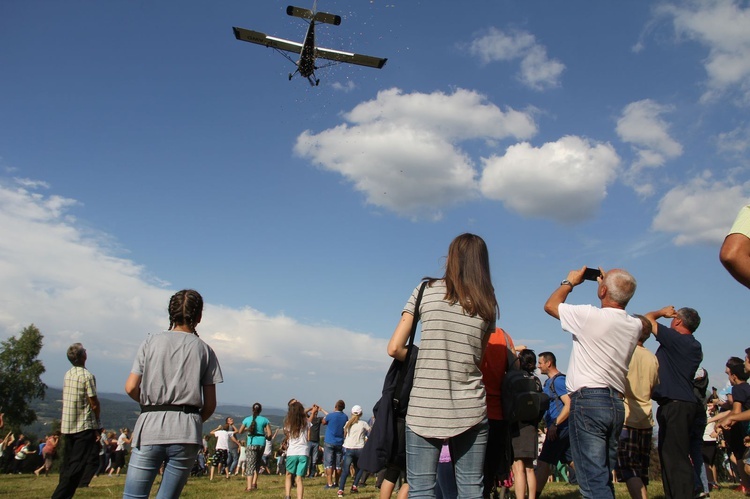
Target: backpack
(524, 399)
(555, 397)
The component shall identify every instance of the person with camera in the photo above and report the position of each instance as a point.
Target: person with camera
(603, 342)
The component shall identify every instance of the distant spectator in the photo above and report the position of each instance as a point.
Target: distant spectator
(258, 430)
(49, 453)
(296, 426)
(118, 459)
(355, 433)
(313, 440)
(334, 442)
(525, 445)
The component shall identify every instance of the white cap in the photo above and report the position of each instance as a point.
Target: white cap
(357, 410)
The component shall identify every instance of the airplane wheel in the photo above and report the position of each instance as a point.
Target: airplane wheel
(317, 82)
(290, 76)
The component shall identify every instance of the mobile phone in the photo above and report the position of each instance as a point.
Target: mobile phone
(591, 274)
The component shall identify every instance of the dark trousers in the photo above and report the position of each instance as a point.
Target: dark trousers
(675, 420)
(499, 456)
(80, 450)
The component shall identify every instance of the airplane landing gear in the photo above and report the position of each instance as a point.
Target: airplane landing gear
(290, 76)
(317, 82)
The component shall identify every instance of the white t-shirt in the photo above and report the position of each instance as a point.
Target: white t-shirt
(222, 440)
(603, 342)
(298, 446)
(355, 438)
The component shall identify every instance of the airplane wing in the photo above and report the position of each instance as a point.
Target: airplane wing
(259, 38)
(351, 58)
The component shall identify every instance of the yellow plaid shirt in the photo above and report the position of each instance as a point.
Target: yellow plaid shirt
(77, 415)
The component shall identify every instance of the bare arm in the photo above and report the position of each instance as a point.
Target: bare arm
(94, 403)
(209, 402)
(397, 345)
(133, 386)
(667, 311)
(735, 256)
(575, 277)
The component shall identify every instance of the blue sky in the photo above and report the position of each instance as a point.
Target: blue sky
(143, 150)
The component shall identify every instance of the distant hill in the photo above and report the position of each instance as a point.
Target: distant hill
(119, 411)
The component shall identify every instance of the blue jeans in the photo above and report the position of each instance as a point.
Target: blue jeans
(351, 456)
(333, 456)
(467, 451)
(145, 462)
(696, 451)
(596, 419)
(312, 457)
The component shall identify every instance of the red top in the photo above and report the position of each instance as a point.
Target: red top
(494, 366)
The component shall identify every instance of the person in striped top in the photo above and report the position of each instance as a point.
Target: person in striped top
(447, 400)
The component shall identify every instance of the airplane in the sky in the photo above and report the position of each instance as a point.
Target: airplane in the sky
(307, 50)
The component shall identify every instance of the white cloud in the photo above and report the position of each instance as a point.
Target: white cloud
(735, 142)
(403, 150)
(701, 211)
(723, 26)
(345, 87)
(564, 180)
(641, 126)
(73, 288)
(537, 70)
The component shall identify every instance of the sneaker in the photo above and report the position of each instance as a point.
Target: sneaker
(340, 493)
(328, 486)
(354, 489)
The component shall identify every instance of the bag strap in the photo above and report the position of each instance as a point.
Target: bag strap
(404, 366)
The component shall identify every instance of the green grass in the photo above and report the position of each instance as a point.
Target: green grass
(269, 487)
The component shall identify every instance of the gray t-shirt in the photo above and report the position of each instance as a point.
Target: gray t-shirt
(174, 367)
(447, 397)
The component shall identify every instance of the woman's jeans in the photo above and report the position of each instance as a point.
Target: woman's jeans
(596, 419)
(350, 456)
(145, 462)
(467, 451)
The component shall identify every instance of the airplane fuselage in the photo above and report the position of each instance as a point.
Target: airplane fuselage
(306, 62)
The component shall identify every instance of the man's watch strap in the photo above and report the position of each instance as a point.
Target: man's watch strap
(566, 282)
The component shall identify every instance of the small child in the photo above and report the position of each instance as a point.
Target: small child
(296, 425)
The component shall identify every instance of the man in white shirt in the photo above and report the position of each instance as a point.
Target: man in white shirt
(603, 342)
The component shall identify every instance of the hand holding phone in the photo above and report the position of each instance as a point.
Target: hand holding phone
(591, 274)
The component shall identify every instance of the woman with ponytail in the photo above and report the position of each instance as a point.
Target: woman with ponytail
(258, 431)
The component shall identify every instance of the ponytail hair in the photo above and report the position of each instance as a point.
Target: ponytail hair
(353, 420)
(256, 412)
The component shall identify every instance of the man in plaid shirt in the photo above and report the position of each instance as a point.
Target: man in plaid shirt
(80, 422)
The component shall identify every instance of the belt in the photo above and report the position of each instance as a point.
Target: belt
(187, 409)
(610, 391)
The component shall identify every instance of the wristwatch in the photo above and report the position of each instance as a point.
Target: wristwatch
(566, 282)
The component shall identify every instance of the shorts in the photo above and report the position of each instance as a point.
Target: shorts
(253, 456)
(525, 445)
(708, 449)
(219, 457)
(557, 450)
(333, 456)
(296, 465)
(634, 454)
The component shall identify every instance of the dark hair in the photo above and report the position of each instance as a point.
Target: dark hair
(690, 318)
(747, 352)
(527, 359)
(185, 309)
(256, 412)
(739, 371)
(340, 405)
(296, 420)
(76, 352)
(549, 357)
(467, 277)
(734, 361)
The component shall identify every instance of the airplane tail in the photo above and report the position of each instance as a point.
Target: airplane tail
(320, 17)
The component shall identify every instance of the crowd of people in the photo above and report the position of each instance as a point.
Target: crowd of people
(454, 440)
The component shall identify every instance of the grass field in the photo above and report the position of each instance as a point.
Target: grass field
(269, 487)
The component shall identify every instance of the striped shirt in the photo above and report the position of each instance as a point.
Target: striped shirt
(77, 416)
(447, 397)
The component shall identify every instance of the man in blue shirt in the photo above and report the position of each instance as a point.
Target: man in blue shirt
(556, 446)
(334, 441)
(679, 356)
